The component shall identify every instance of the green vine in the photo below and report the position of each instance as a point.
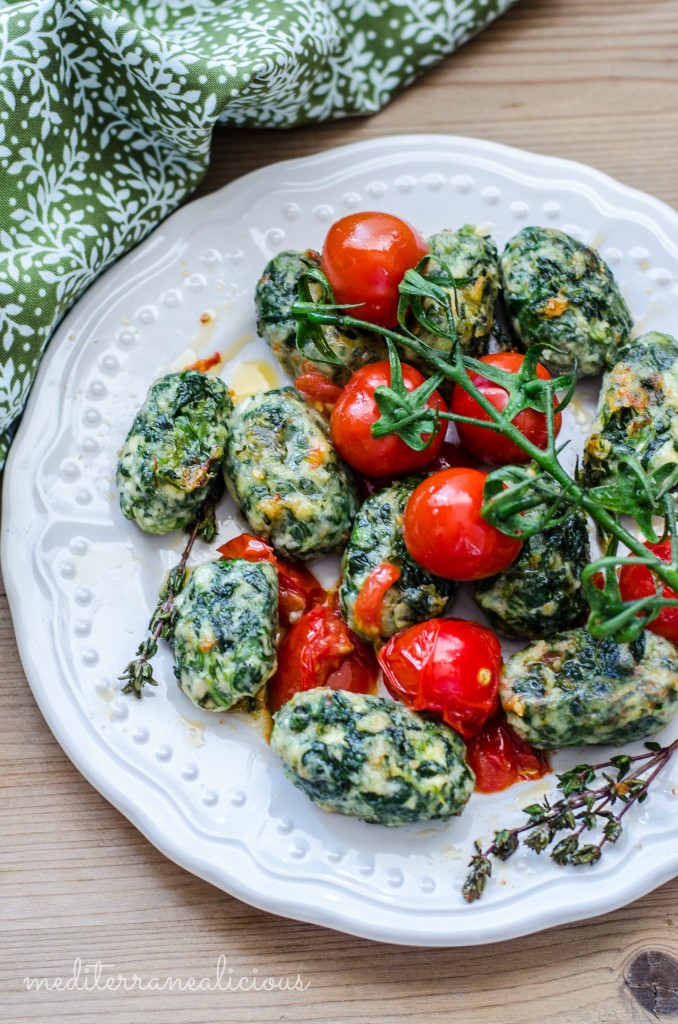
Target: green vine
(545, 486)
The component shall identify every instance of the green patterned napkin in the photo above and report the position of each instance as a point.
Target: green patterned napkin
(106, 113)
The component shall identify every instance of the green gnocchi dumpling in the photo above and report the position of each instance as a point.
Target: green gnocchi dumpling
(170, 461)
(371, 757)
(285, 475)
(377, 538)
(637, 411)
(274, 296)
(571, 689)
(540, 593)
(224, 632)
(472, 260)
(561, 292)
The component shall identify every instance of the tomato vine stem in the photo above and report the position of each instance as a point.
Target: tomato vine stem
(509, 490)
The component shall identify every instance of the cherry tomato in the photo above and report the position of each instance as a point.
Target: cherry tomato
(318, 390)
(488, 445)
(320, 650)
(636, 581)
(500, 758)
(449, 667)
(298, 589)
(203, 365)
(356, 410)
(365, 257)
(368, 604)
(445, 533)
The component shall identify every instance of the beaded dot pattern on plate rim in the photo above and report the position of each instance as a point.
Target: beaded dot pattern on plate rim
(122, 347)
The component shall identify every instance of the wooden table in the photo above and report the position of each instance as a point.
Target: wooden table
(596, 82)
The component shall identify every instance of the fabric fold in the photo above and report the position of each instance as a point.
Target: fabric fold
(106, 115)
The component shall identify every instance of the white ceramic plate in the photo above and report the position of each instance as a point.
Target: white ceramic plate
(205, 788)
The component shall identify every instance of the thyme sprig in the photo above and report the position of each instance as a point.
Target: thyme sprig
(545, 487)
(139, 672)
(591, 795)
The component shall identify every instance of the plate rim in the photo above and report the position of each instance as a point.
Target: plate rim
(331, 913)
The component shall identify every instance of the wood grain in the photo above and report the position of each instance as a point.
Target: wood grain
(596, 82)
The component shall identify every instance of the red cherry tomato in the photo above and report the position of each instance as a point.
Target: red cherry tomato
(298, 589)
(356, 410)
(445, 533)
(318, 390)
(365, 257)
(500, 758)
(203, 365)
(449, 667)
(635, 581)
(488, 445)
(368, 604)
(320, 650)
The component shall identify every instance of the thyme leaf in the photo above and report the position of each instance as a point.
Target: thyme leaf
(589, 801)
(139, 672)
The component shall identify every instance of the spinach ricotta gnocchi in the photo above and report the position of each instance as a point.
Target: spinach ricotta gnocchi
(224, 635)
(359, 754)
(471, 259)
(171, 458)
(540, 593)
(370, 757)
(572, 689)
(275, 293)
(637, 411)
(562, 293)
(377, 538)
(285, 475)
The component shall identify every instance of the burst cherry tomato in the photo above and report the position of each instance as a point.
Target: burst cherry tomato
(320, 650)
(318, 390)
(445, 533)
(488, 445)
(365, 257)
(356, 410)
(370, 599)
(500, 758)
(635, 581)
(203, 365)
(449, 667)
(298, 589)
